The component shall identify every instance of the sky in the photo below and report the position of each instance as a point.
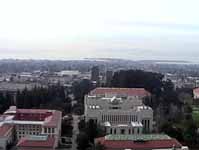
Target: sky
(76, 29)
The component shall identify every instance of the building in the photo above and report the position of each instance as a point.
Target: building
(6, 135)
(120, 110)
(95, 74)
(31, 123)
(196, 93)
(140, 142)
(69, 73)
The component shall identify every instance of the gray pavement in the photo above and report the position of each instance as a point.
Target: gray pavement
(75, 131)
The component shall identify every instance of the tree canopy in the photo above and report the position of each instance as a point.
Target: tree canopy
(52, 97)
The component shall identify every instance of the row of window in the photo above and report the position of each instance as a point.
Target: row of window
(25, 129)
(123, 131)
(27, 133)
(146, 125)
(123, 96)
(28, 126)
(49, 130)
(119, 118)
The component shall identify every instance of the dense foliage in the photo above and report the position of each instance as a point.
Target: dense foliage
(138, 79)
(80, 89)
(52, 97)
(6, 99)
(172, 107)
(162, 91)
(88, 132)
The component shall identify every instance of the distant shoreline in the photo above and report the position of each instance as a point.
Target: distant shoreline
(150, 61)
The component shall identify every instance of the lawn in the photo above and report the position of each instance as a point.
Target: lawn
(195, 114)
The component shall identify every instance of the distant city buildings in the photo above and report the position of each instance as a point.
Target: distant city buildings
(31, 128)
(120, 110)
(29, 80)
(68, 73)
(182, 81)
(109, 75)
(95, 74)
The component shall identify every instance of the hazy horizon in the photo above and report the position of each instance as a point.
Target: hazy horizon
(130, 29)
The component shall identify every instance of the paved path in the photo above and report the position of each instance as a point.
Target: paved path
(75, 131)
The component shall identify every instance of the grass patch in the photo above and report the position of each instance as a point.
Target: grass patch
(195, 114)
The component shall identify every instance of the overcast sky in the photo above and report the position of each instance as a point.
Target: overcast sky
(74, 29)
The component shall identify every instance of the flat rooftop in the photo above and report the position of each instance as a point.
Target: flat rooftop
(120, 91)
(140, 137)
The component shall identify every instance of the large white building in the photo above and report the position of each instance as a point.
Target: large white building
(120, 110)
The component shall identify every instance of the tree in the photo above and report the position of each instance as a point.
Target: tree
(5, 101)
(82, 141)
(99, 146)
(172, 131)
(190, 133)
(52, 97)
(163, 93)
(81, 88)
(138, 79)
(91, 130)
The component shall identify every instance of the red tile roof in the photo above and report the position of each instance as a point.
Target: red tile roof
(35, 111)
(32, 114)
(25, 142)
(126, 91)
(54, 119)
(50, 117)
(5, 129)
(153, 144)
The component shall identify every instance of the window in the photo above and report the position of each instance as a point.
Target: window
(115, 107)
(114, 131)
(132, 130)
(48, 130)
(110, 131)
(148, 123)
(45, 130)
(53, 130)
(138, 131)
(122, 131)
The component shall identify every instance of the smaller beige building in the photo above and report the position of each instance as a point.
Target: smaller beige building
(38, 125)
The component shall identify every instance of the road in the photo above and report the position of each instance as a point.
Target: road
(75, 131)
